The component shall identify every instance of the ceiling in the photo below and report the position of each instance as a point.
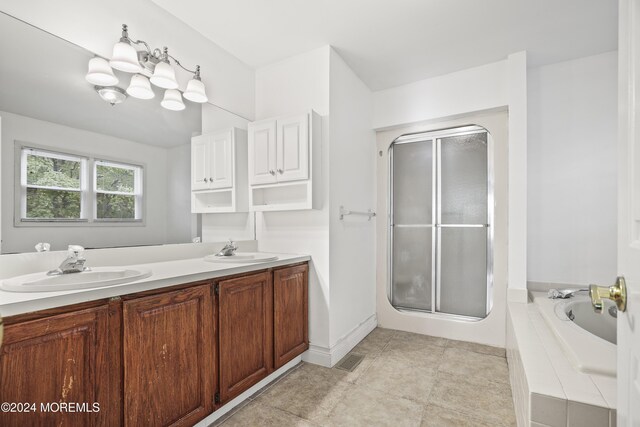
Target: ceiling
(51, 86)
(389, 43)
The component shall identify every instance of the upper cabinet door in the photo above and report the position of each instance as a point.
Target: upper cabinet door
(262, 153)
(199, 163)
(221, 160)
(293, 148)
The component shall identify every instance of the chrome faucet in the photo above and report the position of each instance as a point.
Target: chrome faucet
(564, 293)
(228, 250)
(73, 263)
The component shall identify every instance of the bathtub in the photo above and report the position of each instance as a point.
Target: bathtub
(586, 338)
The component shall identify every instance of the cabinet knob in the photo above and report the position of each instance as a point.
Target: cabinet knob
(206, 180)
(272, 172)
(210, 179)
(280, 171)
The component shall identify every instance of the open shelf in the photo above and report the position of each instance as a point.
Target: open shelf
(212, 201)
(279, 197)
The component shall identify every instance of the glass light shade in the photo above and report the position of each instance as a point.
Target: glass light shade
(164, 76)
(195, 91)
(112, 94)
(100, 73)
(140, 87)
(125, 58)
(172, 100)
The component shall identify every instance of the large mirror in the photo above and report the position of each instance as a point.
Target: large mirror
(77, 169)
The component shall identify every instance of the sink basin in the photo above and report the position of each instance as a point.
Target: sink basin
(93, 278)
(242, 257)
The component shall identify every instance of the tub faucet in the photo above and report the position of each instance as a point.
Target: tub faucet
(73, 263)
(564, 293)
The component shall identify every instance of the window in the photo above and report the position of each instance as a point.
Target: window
(118, 191)
(61, 187)
(53, 184)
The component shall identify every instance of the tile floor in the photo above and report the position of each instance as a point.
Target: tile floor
(404, 380)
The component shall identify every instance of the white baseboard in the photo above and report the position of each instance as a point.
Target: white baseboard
(330, 356)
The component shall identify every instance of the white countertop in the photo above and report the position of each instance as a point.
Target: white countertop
(164, 274)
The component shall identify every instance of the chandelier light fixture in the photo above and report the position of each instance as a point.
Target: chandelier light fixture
(148, 67)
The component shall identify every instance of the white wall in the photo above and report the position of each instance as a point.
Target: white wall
(451, 95)
(298, 84)
(342, 279)
(517, 164)
(96, 26)
(572, 171)
(41, 133)
(182, 225)
(352, 253)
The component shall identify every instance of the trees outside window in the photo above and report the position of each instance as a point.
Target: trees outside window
(56, 187)
(53, 185)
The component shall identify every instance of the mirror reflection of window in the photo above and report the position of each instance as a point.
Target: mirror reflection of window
(55, 188)
(118, 189)
(52, 185)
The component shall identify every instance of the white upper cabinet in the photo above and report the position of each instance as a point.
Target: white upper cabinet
(222, 160)
(293, 148)
(219, 172)
(284, 163)
(199, 164)
(262, 149)
(212, 161)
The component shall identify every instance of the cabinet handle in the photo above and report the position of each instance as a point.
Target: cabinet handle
(206, 180)
(210, 179)
(272, 172)
(280, 171)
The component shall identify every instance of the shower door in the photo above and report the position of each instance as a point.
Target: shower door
(440, 222)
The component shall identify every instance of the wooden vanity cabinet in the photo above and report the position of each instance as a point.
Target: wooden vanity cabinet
(164, 357)
(245, 307)
(169, 357)
(68, 358)
(291, 313)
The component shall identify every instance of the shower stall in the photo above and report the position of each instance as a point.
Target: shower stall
(440, 222)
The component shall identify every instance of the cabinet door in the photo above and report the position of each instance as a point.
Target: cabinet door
(290, 306)
(293, 148)
(200, 163)
(62, 359)
(246, 333)
(262, 152)
(221, 160)
(169, 364)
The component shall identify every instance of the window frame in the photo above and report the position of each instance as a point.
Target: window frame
(87, 184)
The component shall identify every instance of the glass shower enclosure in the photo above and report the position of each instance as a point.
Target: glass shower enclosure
(440, 222)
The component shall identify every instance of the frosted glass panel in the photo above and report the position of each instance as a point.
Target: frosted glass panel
(411, 287)
(463, 271)
(463, 174)
(412, 183)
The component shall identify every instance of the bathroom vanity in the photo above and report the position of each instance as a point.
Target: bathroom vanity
(167, 355)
